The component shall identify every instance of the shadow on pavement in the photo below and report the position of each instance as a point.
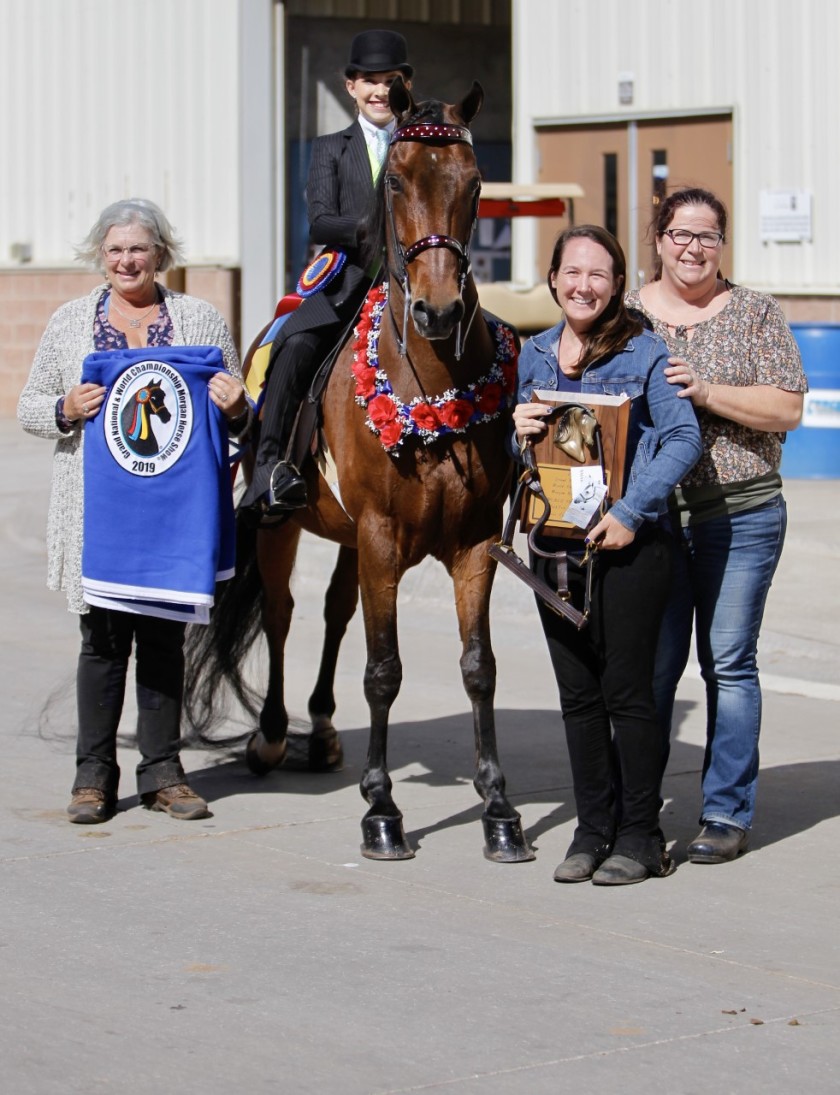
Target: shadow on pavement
(792, 798)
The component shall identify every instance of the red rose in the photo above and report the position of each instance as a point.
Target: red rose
(360, 366)
(390, 434)
(362, 330)
(365, 377)
(456, 413)
(425, 416)
(381, 411)
(488, 398)
(366, 385)
(509, 373)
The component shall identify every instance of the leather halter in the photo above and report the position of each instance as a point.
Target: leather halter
(431, 133)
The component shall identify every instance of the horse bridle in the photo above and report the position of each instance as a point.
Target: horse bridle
(443, 134)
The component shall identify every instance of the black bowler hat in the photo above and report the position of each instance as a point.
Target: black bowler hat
(378, 51)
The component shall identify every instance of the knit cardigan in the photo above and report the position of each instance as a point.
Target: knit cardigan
(57, 367)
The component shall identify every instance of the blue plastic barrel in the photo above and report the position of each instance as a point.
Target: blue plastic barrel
(812, 451)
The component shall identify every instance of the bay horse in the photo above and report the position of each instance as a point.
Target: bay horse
(415, 417)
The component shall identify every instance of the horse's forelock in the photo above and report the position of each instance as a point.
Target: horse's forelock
(432, 111)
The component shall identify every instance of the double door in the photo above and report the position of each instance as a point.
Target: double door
(626, 167)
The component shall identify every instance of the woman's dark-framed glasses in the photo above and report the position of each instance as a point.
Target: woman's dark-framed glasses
(682, 237)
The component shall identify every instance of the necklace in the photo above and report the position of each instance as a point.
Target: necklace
(138, 321)
(681, 329)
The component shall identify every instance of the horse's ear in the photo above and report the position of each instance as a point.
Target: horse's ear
(470, 105)
(400, 100)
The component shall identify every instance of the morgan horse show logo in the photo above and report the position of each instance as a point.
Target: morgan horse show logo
(148, 418)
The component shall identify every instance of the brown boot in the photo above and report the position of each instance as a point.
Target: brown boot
(178, 801)
(90, 806)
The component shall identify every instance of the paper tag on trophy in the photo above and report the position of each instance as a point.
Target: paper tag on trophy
(588, 492)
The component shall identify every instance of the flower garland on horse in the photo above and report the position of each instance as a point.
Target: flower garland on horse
(452, 412)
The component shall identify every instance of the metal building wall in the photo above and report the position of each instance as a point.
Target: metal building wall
(103, 99)
(773, 63)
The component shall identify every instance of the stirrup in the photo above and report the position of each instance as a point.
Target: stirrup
(286, 490)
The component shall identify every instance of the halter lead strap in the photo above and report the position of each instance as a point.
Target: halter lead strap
(430, 133)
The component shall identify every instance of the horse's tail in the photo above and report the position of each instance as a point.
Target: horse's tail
(216, 654)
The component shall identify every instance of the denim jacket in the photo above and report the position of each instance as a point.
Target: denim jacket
(663, 434)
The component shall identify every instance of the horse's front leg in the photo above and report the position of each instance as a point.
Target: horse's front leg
(325, 749)
(472, 575)
(383, 836)
(276, 550)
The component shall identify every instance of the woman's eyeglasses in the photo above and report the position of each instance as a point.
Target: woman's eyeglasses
(682, 237)
(137, 251)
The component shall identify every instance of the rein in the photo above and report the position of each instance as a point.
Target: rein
(431, 133)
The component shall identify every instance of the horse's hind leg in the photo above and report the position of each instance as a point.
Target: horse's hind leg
(276, 551)
(325, 751)
(473, 577)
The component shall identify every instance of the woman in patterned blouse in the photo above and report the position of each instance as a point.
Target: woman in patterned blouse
(736, 360)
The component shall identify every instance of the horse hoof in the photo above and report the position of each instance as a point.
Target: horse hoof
(326, 753)
(263, 756)
(384, 838)
(504, 841)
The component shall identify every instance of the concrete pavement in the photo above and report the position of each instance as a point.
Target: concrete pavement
(258, 951)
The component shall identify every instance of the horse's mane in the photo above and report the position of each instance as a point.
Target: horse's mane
(372, 227)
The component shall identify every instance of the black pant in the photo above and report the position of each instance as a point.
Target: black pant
(107, 637)
(605, 677)
(293, 365)
(292, 373)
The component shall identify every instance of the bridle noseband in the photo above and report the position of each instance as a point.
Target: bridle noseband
(431, 133)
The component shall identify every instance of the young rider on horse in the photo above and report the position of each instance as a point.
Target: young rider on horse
(343, 172)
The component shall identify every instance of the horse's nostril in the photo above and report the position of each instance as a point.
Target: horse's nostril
(436, 321)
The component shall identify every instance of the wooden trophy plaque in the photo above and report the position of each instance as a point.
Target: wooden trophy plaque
(569, 444)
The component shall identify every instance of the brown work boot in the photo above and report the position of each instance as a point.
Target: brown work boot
(90, 806)
(179, 801)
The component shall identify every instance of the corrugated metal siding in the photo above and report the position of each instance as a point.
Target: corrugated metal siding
(773, 63)
(476, 12)
(118, 98)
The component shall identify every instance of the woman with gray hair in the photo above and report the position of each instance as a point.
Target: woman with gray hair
(131, 242)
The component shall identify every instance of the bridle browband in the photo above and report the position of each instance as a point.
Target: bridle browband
(431, 133)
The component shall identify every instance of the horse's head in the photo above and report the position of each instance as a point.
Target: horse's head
(432, 186)
(153, 399)
(576, 431)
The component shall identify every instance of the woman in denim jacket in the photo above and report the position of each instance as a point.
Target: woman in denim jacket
(605, 673)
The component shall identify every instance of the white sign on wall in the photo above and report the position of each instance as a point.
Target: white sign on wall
(785, 216)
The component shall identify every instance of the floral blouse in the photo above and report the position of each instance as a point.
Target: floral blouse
(106, 337)
(747, 342)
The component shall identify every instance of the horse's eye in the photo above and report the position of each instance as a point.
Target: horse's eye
(393, 183)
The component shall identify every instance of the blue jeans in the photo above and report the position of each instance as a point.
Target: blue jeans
(722, 574)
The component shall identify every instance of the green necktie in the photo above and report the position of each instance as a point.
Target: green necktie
(379, 152)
